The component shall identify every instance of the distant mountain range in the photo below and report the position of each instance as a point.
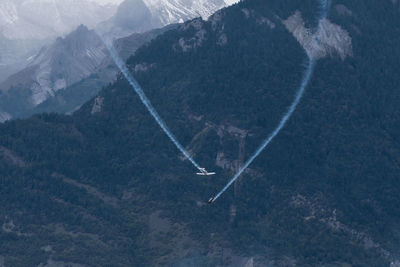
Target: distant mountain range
(55, 67)
(69, 60)
(72, 97)
(44, 19)
(27, 25)
(66, 74)
(143, 15)
(29, 19)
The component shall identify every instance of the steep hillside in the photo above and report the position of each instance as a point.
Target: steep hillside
(105, 186)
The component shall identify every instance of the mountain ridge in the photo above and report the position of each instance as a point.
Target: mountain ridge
(44, 77)
(58, 66)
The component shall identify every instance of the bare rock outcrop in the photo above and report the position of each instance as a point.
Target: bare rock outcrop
(329, 40)
(187, 44)
(97, 105)
(10, 157)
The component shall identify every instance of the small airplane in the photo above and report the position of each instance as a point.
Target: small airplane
(203, 171)
(211, 200)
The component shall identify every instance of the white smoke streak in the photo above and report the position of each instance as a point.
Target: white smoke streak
(146, 102)
(288, 114)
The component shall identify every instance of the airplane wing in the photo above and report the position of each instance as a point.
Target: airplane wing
(205, 172)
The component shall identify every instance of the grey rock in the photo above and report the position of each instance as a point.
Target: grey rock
(65, 62)
(329, 40)
(97, 105)
(11, 158)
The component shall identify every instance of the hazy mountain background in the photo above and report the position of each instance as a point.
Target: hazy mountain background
(106, 187)
(27, 25)
(43, 19)
(37, 66)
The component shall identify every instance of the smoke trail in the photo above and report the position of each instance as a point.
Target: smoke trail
(282, 123)
(325, 6)
(288, 114)
(123, 68)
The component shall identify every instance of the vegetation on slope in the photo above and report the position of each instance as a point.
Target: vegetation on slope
(109, 188)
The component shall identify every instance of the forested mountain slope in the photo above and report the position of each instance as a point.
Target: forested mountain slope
(105, 186)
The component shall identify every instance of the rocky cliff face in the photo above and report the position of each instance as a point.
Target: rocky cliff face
(329, 40)
(58, 66)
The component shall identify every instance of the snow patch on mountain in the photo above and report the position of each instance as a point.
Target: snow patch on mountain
(330, 39)
(172, 11)
(231, 2)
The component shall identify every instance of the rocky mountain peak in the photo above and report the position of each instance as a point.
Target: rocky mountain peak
(66, 61)
(133, 15)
